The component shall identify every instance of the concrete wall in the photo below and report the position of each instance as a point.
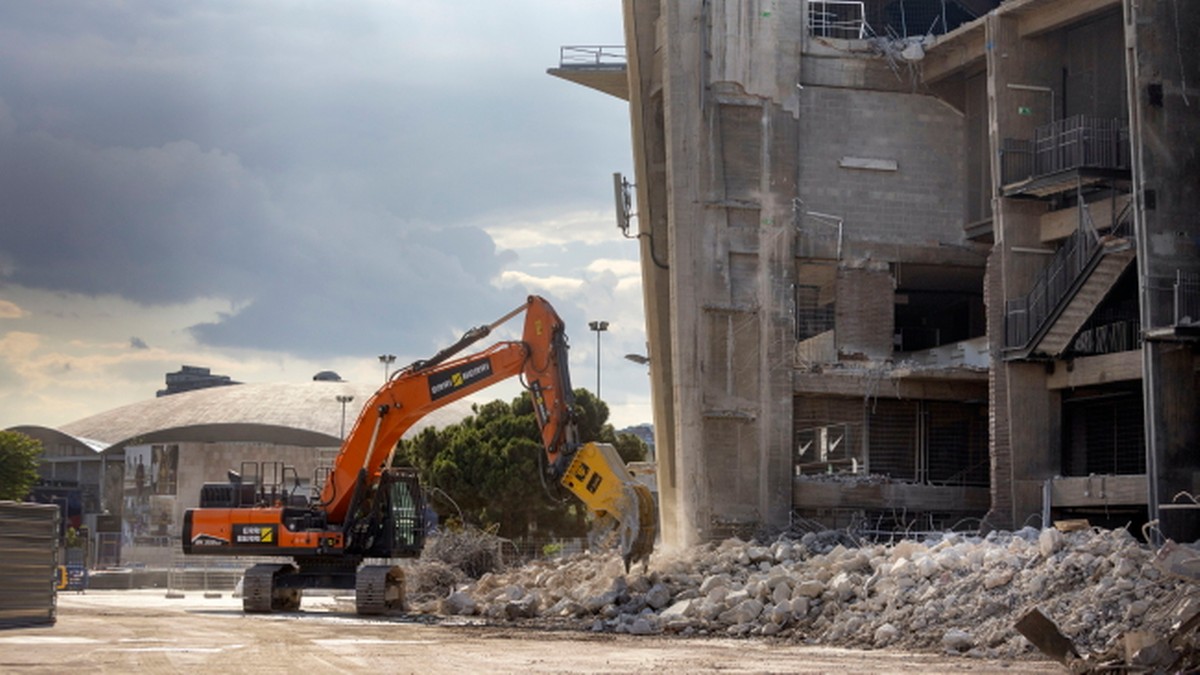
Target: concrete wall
(921, 200)
(865, 317)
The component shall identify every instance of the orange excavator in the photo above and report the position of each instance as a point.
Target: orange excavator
(368, 509)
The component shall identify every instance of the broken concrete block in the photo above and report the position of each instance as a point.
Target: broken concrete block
(956, 640)
(457, 603)
(809, 589)
(658, 596)
(1049, 542)
(885, 635)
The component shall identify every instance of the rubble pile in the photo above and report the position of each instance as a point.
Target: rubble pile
(952, 592)
(450, 559)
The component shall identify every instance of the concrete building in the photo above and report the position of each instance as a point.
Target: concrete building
(913, 263)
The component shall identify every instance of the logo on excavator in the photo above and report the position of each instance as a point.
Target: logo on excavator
(448, 381)
(208, 540)
(581, 474)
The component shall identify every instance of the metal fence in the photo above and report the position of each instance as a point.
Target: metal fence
(837, 19)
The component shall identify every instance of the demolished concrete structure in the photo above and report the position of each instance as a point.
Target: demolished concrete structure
(949, 592)
(950, 254)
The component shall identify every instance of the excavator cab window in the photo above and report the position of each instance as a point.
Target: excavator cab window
(408, 528)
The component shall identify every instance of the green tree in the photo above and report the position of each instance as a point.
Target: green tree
(18, 464)
(491, 466)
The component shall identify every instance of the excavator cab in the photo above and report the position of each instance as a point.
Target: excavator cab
(391, 522)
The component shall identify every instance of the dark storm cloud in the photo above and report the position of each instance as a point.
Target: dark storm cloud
(296, 159)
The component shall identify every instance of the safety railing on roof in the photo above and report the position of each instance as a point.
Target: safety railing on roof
(1024, 317)
(591, 57)
(845, 19)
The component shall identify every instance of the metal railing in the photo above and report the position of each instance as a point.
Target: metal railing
(592, 57)
(1108, 337)
(1024, 317)
(1080, 141)
(1187, 298)
(845, 19)
(1071, 143)
(1016, 160)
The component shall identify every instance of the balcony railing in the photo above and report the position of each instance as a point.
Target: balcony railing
(1187, 299)
(1024, 317)
(1072, 143)
(591, 57)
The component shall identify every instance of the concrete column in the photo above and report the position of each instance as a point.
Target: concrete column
(1024, 428)
(690, 245)
(1164, 112)
(649, 154)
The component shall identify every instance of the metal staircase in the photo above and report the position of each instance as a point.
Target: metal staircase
(1081, 274)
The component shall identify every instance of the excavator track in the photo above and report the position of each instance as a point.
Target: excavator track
(379, 589)
(261, 594)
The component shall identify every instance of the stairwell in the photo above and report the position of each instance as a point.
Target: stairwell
(1084, 270)
(1080, 306)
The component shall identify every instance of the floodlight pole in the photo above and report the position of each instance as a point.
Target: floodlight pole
(344, 399)
(387, 360)
(599, 327)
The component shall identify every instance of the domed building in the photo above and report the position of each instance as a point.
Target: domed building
(134, 470)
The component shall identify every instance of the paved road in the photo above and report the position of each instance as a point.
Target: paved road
(145, 632)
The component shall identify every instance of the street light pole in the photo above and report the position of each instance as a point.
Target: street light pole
(344, 399)
(387, 360)
(599, 327)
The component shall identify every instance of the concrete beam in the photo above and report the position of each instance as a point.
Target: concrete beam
(958, 53)
(1046, 17)
(1060, 224)
(810, 494)
(611, 81)
(1092, 370)
(1098, 491)
(943, 385)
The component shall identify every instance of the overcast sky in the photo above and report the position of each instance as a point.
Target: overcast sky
(271, 189)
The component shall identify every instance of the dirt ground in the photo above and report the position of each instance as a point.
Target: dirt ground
(144, 631)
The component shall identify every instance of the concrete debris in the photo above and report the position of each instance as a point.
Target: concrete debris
(950, 592)
(1137, 651)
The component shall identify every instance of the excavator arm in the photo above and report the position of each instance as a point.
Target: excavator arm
(622, 507)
